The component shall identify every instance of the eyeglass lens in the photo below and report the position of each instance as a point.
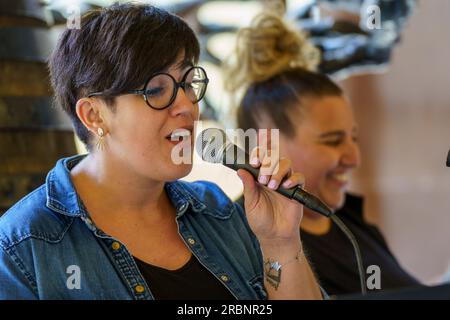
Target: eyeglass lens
(161, 89)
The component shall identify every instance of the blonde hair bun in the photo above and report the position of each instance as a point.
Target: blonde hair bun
(266, 48)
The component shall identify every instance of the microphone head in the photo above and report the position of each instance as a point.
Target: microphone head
(210, 145)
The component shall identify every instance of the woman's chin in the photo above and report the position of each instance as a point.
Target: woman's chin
(179, 171)
(334, 201)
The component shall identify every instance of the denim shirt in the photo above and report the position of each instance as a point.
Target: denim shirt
(51, 249)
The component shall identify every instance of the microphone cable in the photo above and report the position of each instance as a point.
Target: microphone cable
(341, 225)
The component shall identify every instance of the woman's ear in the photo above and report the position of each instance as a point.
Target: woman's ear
(90, 112)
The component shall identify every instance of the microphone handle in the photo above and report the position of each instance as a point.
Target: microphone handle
(295, 193)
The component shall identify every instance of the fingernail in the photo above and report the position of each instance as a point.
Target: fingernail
(254, 161)
(272, 184)
(263, 179)
(287, 183)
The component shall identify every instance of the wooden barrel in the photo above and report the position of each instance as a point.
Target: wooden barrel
(34, 133)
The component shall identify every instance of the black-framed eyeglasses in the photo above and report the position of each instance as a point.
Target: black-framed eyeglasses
(161, 89)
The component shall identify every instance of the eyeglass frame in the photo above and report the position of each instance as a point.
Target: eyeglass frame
(181, 84)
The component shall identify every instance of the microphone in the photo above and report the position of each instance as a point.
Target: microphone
(448, 159)
(213, 146)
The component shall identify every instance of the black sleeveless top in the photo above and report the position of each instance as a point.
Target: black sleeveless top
(191, 282)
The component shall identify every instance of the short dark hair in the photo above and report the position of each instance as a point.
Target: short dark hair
(278, 95)
(116, 49)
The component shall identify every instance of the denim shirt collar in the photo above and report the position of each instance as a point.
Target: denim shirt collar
(181, 198)
(61, 194)
(63, 198)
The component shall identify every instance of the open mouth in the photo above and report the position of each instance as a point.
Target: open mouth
(341, 179)
(179, 135)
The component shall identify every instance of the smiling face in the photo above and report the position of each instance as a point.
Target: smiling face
(324, 147)
(139, 136)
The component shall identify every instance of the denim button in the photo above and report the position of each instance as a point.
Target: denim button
(191, 241)
(115, 245)
(139, 288)
(224, 278)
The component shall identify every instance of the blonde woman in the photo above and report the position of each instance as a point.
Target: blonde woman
(274, 69)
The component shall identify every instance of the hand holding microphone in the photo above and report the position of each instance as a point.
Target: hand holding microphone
(271, 214)
(213, 146)
(270, 210)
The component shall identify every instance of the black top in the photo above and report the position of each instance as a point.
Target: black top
(332, 257)
(190, 282)
(333, 260)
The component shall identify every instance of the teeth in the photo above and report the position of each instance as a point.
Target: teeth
(341, 177)
(180, 133)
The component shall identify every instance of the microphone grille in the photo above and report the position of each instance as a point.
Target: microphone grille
(211, 144)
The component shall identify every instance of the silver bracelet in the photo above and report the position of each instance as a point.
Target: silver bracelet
(272, 269)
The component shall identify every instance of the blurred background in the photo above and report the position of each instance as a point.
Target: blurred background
(391, 62)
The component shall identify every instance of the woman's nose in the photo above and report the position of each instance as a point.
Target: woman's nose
(352, 155)
(182, 104)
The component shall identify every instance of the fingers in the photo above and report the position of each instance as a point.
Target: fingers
(273, 169)
(282, 170)
(266, 161)
(296, 179)
(270, 166)
(267, 147)
(256, 156)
